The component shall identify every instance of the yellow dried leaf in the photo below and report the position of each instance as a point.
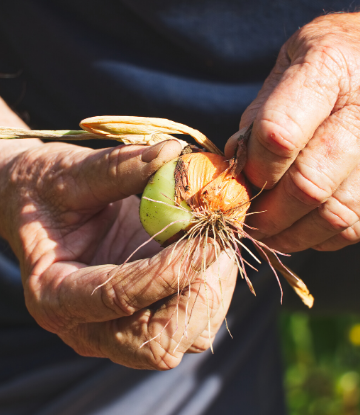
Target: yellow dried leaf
(293, 279)
(115, 126)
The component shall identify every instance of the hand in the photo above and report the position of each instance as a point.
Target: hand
(305, 141)
(68, 212)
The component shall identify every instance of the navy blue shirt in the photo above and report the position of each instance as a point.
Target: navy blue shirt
(196, 62)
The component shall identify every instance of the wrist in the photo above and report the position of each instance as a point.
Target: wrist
(10, 148)
(9, 151)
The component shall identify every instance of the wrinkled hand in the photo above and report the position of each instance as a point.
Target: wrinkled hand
(305, 140)
(67, 213)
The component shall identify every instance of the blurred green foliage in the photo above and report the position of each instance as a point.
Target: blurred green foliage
(322, 364)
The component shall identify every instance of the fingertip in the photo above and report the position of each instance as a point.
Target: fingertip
(169, 151)
(166, 149)
(150, 153)
(160, 154)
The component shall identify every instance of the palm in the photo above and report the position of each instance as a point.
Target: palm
(109, 236)
(70, 212)
(75, 221)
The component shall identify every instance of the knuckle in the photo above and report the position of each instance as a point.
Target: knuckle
(202, 344)
(160, 359)
(337, 216)
(165, 364)
(351, 235)
(323, 49)
(330, 66)
(42, 307)
(321, 42)
(320, 28)
(117, 298)
(309, 189)
(322, 81)
(320, 247)
(275, 135)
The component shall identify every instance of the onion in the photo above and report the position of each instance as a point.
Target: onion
(197, 196)
(195, 188)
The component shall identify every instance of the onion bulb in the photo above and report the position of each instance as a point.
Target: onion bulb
(197, 196)
(195, 188)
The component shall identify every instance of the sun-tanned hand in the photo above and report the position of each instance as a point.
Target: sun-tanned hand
(305, 142)
(71, 220)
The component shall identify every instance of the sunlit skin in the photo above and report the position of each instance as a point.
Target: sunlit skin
(69, 216)
(305, 140)
(71, 220)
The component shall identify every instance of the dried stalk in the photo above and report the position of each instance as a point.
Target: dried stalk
(129, 130)
(111, 126)
(15, 133)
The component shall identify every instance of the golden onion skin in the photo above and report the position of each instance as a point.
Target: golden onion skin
(186, 186)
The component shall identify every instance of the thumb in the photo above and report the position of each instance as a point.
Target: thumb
(111, 174)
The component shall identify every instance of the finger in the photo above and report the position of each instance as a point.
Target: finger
(86, 178)
(339, 212)
(113, 174)
(289, 109)
(232, 143)
(318, 171)
(73, 294)
(226, 286)
(155, 339)
(349, 236)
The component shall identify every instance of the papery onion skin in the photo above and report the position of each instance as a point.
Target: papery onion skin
(206, 181)
(191, 185)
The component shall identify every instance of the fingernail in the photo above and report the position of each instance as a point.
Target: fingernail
(243, 130)
(232, 142)
(152, 152)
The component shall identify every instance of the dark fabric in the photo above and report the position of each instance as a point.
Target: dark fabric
(332, 278)
(12, 307)
(196, 62)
